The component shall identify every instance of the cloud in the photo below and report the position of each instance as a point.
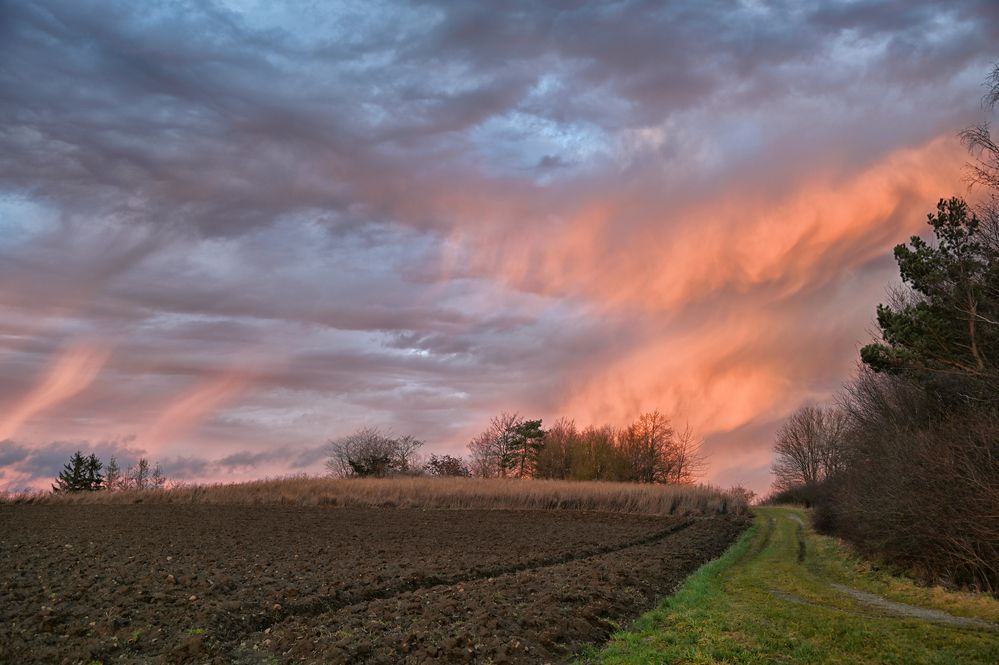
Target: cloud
(72, 372)
(11, 452)
(44, 462)
(288, 223)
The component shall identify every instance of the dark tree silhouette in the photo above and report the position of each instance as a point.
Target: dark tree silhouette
(446, 465)
(80, 474)
(521, 444)
(947, 325)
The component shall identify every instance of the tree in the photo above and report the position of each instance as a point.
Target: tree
(596, 455)
(93, 480)
(915, 480)
(509, 446)
(447, 466)
(113, 478)
(649, 447)
(688, 458)
(555, 458)
(403, 458)
(80, 474)
(809, 447)
(741, 494)
(370, 452)
(978, 139)
(138, 475)
(73, 477)
(157, 480)
(945, 328)
(521, 444)
(487, 450)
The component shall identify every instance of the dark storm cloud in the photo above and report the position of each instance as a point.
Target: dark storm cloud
(200, 117)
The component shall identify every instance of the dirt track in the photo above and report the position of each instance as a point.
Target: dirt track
(265, 584)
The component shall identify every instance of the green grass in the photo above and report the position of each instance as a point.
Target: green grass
(741, 608)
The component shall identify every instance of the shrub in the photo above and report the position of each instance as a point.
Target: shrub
(446, 466)
(369, 452)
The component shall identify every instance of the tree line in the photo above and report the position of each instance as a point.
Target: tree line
(905, 463)
(649, 450)
(88, 474)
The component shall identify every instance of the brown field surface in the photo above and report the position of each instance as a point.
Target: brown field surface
(228, 582)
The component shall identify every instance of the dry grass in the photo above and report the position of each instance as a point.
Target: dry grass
(422, 492)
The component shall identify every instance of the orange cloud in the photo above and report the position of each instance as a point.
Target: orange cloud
(190, 409)
(728, 294)
(642, 250)
(74, 370)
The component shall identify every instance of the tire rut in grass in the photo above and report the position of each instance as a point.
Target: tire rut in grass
(905, 611)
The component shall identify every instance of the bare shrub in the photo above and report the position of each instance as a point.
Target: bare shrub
(370, 452)
(920, 483)
(447, 466)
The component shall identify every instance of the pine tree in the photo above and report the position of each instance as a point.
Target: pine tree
(93, 479)
(943, 330)
(521, 444)
(73, 477)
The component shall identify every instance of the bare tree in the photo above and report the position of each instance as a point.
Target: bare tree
(978, 140)
(139, 475)
(596, 456)
(555, 459)
(371, 452)
(488, 450)
(157, 480)
(688, 461)
(113, 478)
(648, 445)
(809, 447)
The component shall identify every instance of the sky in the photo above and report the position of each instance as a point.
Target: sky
(231, 231)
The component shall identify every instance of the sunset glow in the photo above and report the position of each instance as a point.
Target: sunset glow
(418, 216)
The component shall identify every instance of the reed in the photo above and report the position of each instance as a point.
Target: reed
(427, 492)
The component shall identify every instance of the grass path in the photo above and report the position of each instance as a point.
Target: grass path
(783, 594)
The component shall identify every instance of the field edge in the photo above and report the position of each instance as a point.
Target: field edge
(781, 594)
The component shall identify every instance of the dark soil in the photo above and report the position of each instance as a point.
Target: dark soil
(278, 584)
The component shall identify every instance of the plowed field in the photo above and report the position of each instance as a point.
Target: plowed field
(277, 584)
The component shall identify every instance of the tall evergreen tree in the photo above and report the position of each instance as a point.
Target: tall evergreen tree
(522, 442)
(945, 330)
(93, 479)
(73, 477)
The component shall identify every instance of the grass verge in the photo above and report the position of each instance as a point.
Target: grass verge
(770, 599)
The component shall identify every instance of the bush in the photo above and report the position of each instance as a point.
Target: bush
(369, 452)
(447, 466)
